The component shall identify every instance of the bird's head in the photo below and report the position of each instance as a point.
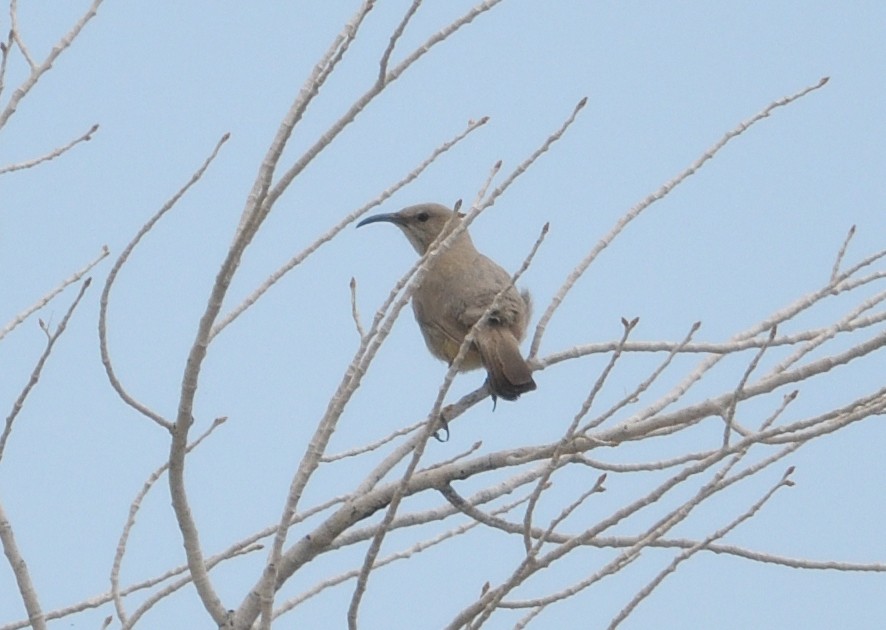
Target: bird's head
(421, 223)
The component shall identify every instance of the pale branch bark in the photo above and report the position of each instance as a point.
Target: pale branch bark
(5, 49)
(86, 137)
(787, 399)
(649, 420)
(249, 544)
(543, 148)
(553, 463)
(130, 522)
(829, 333)
(51, 339)
(7, 538)
(529, 471)
(338, 227)
(835, 271)
(509, 527)
(112, 276)
(634, 212)
(251, 217)
(434, 414)
(372, 446)
(474, 615)
(361, 102)
(401, 555)
(699, 347)
(38, 71)
(15, 34)
(173, 587)
(644, 592)
(643, 386)
(259, 204)
(361, 507)
(517, 529)
(355, 311)
(179, 432)
(373, 341)
(36, 618)
(841, 279)
(46, 299)
(729, 416)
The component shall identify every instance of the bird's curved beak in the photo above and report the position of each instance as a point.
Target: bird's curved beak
(396, 219)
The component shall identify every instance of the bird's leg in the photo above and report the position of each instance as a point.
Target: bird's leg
(444, 425)
(491, 393)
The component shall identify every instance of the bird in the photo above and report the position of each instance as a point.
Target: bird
(458, 288)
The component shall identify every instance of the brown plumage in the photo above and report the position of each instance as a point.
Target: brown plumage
(459, 286)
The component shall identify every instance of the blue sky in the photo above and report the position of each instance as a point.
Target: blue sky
(752, 231)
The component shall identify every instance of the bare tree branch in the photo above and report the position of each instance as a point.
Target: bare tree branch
(46, 299)
(86, 137)
(112, 276)
(662, 192)
(51, 338)
(38, 71)
(36, 618)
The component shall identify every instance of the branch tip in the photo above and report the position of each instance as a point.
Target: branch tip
(629, 324)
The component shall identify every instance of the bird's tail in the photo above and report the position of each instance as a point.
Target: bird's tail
(508, 373)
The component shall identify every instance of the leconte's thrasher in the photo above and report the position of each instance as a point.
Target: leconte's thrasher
(460, 285)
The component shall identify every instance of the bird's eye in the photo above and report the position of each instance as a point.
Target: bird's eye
(422, 216)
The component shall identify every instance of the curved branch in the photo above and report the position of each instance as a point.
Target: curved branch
(662, 192)
(112, 276)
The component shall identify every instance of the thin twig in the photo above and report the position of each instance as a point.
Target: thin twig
(134, 507)
(38, 368)
(355, 313)
(634, 395)
(5, 48)
(553, 464)
(86, 137)
(338, 227)
(662, 192)
(372, 446)
(43, 301)
(728, 347)
(36, 618)
(37, 71)
(392, 42)
(16, 36)
(112, 276)
(729, 416)
(835, 271)
(644, 592)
